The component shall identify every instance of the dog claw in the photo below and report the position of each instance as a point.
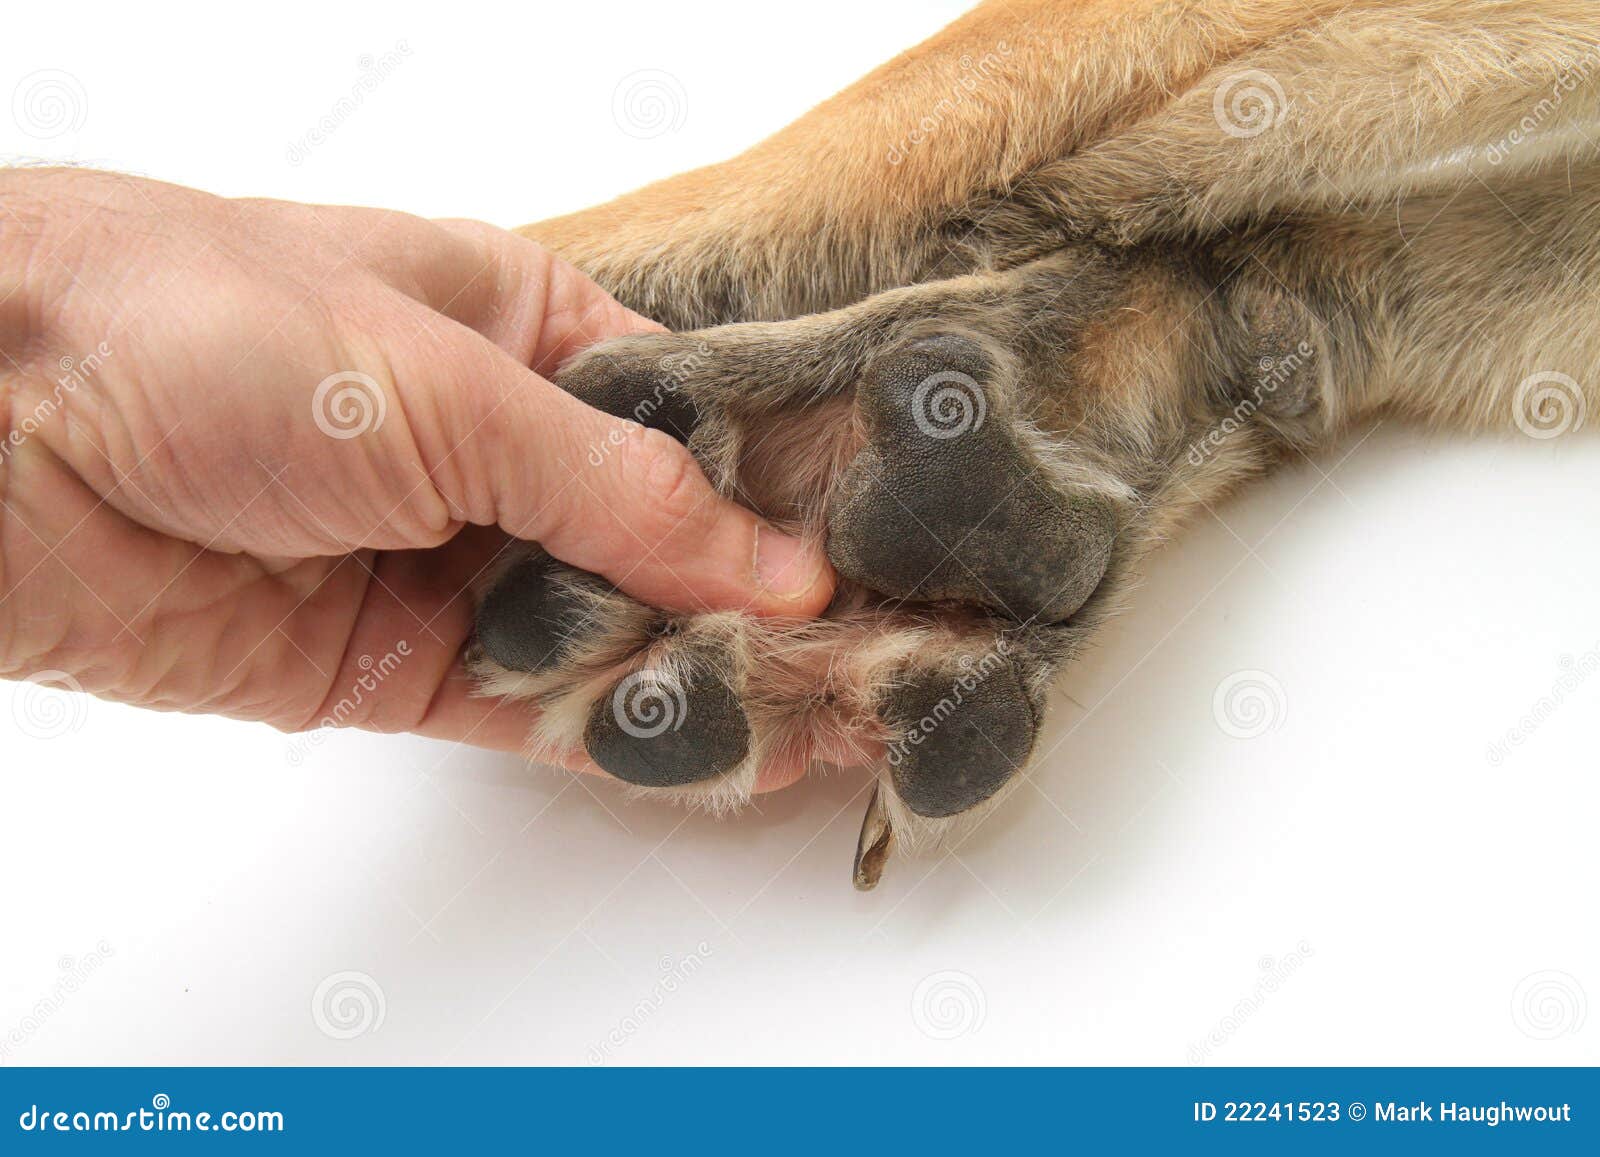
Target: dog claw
(875, 844)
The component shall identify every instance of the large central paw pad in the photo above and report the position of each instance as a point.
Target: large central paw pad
(948, 499)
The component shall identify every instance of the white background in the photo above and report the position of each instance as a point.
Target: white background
(1360, 883)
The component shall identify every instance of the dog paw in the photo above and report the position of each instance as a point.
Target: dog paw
(982, 467)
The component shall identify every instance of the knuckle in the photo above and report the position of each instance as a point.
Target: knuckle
(662, 474)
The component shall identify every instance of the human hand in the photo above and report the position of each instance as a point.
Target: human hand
(255, 448)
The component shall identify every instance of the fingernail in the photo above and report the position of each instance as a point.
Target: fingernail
(787, 567)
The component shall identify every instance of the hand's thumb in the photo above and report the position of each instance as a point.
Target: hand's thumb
(636, 508)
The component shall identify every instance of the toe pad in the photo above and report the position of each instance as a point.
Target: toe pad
(534, 615)
(958, 737)
(657, 728)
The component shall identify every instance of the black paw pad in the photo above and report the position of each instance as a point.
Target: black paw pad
(958, 737)
(532, 618)
(627, 383)
(659, 728)
(945, 502)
